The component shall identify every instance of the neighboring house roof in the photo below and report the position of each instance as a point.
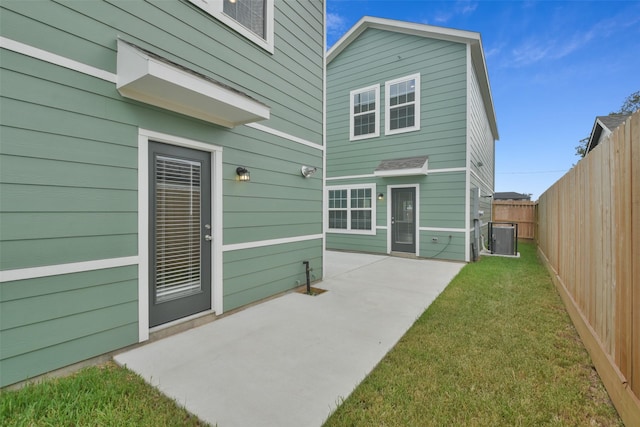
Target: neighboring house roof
(510, 195)
(473, 39)
(606, 124)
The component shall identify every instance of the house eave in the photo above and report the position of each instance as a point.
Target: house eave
(147, 79)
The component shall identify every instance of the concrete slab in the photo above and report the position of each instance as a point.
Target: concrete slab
(291, 360)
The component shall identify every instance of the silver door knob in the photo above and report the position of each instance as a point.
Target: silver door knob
(208, 237)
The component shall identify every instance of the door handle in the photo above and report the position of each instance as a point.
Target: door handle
(208, 237)
(393, 220)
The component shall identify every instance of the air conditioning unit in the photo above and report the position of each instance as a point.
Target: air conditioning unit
(503, 238)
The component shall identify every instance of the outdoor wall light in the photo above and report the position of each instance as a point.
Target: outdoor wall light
(380, 196)
(243, 174)
(307, 171)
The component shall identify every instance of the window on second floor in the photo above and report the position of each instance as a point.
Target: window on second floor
(251, 18)
(365, 107)
(402, 105)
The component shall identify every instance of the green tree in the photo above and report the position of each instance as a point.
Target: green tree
(630, 105)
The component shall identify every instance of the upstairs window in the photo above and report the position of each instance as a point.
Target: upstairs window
(365, 105)
(351, 209)
(251, 18)
(402, 105)
(249, 13)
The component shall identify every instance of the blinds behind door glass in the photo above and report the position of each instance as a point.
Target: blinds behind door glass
(177, 228)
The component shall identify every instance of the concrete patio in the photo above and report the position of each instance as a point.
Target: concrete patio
(291, 360)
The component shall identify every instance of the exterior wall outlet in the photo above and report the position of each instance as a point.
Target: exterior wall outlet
(434, 239)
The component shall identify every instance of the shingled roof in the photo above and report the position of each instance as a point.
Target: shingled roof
(604, 123)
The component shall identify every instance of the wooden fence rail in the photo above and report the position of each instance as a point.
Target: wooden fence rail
(589, 238)
(521, 212)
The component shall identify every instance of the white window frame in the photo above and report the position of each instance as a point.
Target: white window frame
(215, 9)
(348, 230)
(387, 106)
(352, 136)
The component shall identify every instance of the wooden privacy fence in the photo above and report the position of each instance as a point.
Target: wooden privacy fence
(589, 237)
(522, 212)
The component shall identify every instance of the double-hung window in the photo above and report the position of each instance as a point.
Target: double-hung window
(402, 105)
(351, 209)
(365, 107)
(251, 18)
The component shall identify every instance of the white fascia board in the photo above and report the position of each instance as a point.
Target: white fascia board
(421, 30)
(401, 172)
(155, 82)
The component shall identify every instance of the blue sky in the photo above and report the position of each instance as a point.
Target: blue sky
(553, 66)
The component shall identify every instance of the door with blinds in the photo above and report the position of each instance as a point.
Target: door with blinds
(179, 232)
(403, 225)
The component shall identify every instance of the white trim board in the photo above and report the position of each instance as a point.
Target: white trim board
(53, 58)
(444, 229)
(284, 135)
(371, 175)
(69, 268)
(271, 242)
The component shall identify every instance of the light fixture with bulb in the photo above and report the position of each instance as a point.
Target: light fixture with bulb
(243, 174)
(307, 171)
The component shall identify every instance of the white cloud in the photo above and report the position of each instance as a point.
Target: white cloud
(335, 24)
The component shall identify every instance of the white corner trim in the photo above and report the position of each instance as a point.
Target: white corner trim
(271, 242)
(284, 135)
(69, 268)
(52, 58)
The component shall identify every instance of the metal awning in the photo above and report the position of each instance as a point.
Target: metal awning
(406, 166)
(154, 80)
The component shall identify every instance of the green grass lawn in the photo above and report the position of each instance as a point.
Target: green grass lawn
(496, 348)
(104, 395)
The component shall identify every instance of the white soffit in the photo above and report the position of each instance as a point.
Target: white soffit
(146, 78)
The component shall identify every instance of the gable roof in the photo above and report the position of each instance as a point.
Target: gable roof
(470, 38)
(604, 123)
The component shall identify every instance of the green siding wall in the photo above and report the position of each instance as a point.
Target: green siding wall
(69, 158)
(358, 243)
(49, 322)
(86, 32)
(378, 56)
(442, 205)
(375, 57)
(253, 274)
